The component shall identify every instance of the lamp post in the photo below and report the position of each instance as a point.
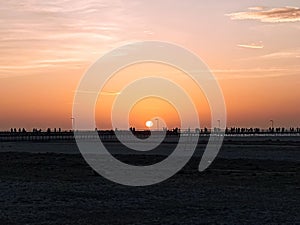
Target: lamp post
(272, 124)
(157, 127)
(73, 123)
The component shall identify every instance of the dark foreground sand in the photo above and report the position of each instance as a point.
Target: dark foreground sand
(56, 188)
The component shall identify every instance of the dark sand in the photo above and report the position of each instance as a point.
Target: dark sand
(249, 183)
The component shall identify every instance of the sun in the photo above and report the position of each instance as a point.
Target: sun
(149, 123)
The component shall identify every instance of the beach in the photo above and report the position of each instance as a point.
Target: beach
(254, 182)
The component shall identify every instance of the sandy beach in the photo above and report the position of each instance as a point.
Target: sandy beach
(248, 183)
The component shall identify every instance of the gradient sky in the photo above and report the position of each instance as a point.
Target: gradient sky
(251, 46)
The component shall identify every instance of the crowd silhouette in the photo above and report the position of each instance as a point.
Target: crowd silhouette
(204, 130)
(21, 134)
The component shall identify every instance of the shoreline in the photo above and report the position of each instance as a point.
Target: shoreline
(282, 149)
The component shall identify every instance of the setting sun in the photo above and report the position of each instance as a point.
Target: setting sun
(149, 123)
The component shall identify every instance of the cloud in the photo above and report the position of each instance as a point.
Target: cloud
(288, 57)
(253, 70)
(38, 35)
(275, 15)
(254, 73)
(109, 93)
(256, 8)
(282, 54)
(252, 46)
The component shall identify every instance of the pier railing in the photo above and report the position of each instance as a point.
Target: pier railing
(110, 135)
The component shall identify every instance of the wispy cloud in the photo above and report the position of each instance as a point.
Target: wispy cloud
(36, 35)
(109, 93)
(252, 45)
(282, 54)
(255, 73)
(256, 8)
(289, 54)
(275, 15)
(253, 70)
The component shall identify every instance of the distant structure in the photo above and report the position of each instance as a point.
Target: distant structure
(20, 134)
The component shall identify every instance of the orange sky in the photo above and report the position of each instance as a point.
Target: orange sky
(252, 48)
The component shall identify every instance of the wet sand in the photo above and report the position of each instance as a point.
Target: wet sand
(248, 183)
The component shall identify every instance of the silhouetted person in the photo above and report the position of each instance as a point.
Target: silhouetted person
(176, 131)
(132, 129)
